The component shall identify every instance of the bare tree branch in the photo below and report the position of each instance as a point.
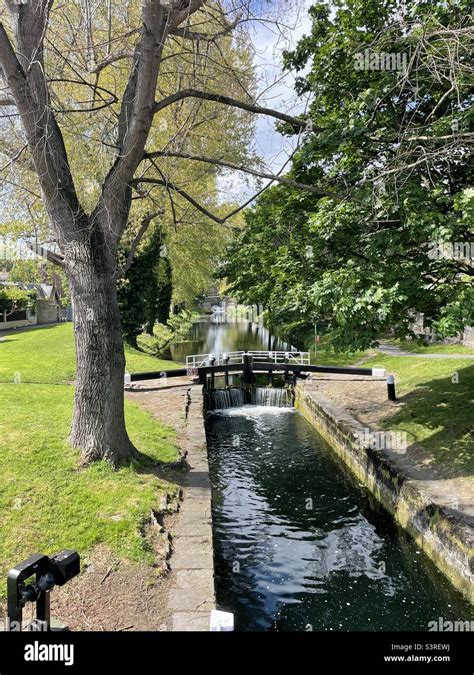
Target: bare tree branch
(29, 89)
(227, 100)
(183, 193)
(236, 167)
(134, 245)
(112, 58)
(206, 37)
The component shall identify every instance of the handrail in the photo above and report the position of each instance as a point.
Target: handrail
(258, 356)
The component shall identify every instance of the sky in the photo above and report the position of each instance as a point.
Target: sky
(275, 91)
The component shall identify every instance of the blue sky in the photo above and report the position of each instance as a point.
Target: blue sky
(275, 89)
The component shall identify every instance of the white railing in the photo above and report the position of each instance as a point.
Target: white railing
(231, 358)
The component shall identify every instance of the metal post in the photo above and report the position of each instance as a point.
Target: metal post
(226, 372)
(247, 374)
(212, 362)
(391, 388)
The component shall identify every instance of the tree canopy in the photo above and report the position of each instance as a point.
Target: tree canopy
(391, 119)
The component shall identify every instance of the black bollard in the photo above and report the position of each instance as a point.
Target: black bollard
(391, 388)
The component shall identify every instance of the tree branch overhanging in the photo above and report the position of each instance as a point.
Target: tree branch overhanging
(236, 167)
(227, 100)
(183, 193)
(190, 34)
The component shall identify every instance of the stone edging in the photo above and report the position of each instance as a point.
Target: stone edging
(445, 537)
(193, 596)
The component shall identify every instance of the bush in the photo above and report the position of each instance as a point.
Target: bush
(157, 343)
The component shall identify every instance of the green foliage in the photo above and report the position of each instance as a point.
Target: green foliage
(364, 258)
(176, 330)
(25, 271)
(156, 343)
(13, 299)
(145, 291)
(181, 324)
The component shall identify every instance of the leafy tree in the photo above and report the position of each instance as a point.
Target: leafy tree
(104, 102)
(13, 299)
(389, 147)
(144, 293)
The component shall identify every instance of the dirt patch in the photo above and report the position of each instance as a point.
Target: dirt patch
(167, 401)
(113, 595)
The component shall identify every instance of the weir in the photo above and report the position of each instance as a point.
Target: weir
(235, 397)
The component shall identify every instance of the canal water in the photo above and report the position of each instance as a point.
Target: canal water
(209, 336)
(300, 544)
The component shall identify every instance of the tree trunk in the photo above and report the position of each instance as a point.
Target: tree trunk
(98, 426)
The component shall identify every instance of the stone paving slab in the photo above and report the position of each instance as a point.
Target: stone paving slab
(201, 578)
(192, 553)
(193, 528)
(190, 621)
(192, 597)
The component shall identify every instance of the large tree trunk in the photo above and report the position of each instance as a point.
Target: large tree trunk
(98, 427)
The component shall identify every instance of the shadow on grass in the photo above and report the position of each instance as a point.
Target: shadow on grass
(172, 472)
(27, 329)
(445, 408)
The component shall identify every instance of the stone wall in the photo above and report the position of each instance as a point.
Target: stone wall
(445, 537)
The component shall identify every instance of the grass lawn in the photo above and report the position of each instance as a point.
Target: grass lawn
(432, 348)
(324, 355)
(46, 502)
(47, 355)
(438, 410)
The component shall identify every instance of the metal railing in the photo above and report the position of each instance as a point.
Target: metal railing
(237, 358)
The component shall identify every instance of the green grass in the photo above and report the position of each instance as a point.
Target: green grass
(324, 355)
(47, 355)
(438, 407)
(432, 348)
(46, 501)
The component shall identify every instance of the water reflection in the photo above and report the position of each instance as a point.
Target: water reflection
(210, 336)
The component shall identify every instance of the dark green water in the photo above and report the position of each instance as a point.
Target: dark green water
(300, 544)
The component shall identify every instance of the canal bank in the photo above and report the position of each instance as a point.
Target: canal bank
(422, 506)
(190, 593)
(267, 562)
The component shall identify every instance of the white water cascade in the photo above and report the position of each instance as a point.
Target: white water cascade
(235, 397)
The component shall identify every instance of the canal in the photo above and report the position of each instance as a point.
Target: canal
(299, 543)
(209, 336)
